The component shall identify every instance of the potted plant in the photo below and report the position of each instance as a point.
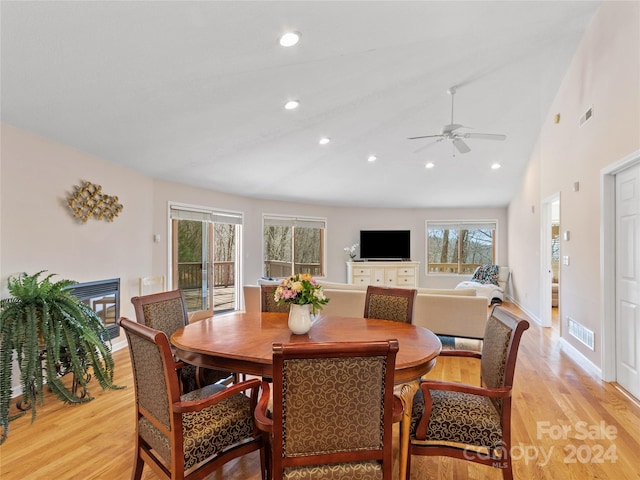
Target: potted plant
(49, 333)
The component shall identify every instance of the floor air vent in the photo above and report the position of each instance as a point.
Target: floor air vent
(581, 333)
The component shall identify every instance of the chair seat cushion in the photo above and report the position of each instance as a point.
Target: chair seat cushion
(341, 471)
(208, 431)
(459, 417)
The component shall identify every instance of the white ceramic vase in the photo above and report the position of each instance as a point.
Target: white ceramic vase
(300, 320)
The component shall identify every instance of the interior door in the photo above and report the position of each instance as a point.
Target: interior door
(628, 279)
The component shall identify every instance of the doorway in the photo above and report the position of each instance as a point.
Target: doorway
(555, 262)
(549, 259)
(621, 273)
(205, 259)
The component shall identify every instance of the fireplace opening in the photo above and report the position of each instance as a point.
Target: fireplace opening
(103, 297)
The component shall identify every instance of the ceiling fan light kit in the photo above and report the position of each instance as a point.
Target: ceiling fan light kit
(451, 132)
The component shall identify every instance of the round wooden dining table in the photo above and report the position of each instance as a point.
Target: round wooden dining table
(242, 342)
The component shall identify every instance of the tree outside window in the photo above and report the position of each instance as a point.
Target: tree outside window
(293, 245)
(460, 247)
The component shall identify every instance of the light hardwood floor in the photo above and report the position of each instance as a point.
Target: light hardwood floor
(551, 392)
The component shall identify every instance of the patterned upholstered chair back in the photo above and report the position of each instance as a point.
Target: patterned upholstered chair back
(387, 303)
(332, 410)
(499, 352)
(155, 391)
(166, 311)
(267, 302)
(185, 437)
(448, 417)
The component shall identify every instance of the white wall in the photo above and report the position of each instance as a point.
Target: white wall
(345, 225)
(39, 231)
(604, 74)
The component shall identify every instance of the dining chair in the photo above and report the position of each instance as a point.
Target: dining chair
(333, 408)
(268, 303)
(167, 312)
(185, 437)
(466, 421)
(388, 303)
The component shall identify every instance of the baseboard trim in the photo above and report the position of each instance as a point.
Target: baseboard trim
(626, 394)
(579, 359)
(576, 355)
(527, 312)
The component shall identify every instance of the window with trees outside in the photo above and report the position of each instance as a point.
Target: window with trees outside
(460, 247)
(293, 245)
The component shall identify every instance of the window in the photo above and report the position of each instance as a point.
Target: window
(205, 257)
(293, 245)
(460, 247)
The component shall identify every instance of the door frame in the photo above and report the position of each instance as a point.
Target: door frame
(545, 258)
(239, 232)
(608, 261)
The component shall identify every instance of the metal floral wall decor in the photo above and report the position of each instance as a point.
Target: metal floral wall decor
(87, 200)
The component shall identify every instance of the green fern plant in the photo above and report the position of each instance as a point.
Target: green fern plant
(48, 331)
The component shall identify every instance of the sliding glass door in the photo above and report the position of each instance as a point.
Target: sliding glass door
(205, 254)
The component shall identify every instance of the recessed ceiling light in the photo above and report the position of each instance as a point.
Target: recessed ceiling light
(289, 39)
(430, 165)
(495, 166)
(292, 104)
(372, 158)
(324, 140)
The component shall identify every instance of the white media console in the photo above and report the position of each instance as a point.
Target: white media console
(391, 274)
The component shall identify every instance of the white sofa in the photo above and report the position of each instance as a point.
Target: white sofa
(452, 312)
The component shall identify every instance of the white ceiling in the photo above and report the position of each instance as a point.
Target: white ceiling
(193, 92)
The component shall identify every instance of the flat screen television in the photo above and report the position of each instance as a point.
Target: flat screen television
(385, 244)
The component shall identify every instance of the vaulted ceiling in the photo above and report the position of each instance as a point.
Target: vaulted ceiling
(194, 92)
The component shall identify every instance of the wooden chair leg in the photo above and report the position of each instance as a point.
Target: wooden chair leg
(507, 473)
(268, 464)
(138, 465)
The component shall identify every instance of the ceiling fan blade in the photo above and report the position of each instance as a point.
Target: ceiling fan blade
(461, 146)
(424, 136)
(427, 145)
(452, 127)
(484, 136)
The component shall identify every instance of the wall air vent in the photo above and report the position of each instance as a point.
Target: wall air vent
(581, 333)
(586, 116)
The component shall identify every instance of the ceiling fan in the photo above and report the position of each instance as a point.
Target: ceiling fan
(452, 132)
